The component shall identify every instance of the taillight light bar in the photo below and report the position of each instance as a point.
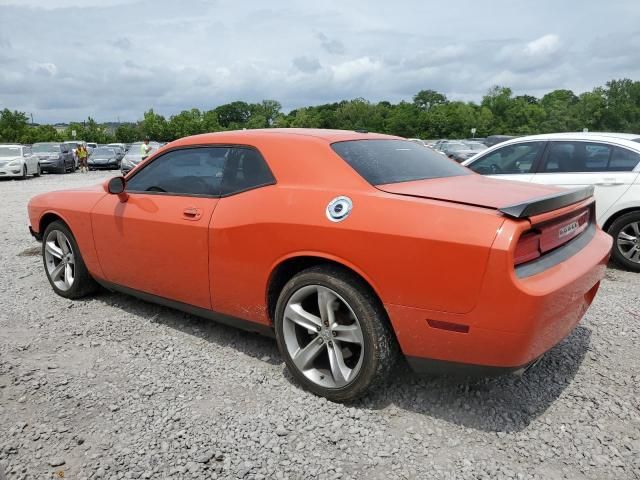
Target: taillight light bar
(550, 235)
(528, 247)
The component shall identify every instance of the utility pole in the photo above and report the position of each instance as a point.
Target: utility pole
(31, 119)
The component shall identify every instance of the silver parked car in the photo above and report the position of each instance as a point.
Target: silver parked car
(18, 161)
(134, 156)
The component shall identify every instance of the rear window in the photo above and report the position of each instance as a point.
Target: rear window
(392, 161)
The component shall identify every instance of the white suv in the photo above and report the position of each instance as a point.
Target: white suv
(608, 161)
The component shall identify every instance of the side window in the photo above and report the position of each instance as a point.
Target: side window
(565, 157)
(510, 159)
(192, 171)
(623, 160)
(245, 169)
(26, 150)
(597, 157)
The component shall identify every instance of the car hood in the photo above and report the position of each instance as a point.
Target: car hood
(473, 189)
(9, 159)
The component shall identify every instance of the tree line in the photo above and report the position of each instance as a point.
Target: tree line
(612, 107)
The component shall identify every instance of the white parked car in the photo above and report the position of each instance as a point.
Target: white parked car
(608, 161)
(18, 161)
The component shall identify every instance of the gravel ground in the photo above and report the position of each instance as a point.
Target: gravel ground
(113, 387)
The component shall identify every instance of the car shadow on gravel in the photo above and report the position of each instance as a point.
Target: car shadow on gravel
(249, 343)
(498, 404)
(495, 404)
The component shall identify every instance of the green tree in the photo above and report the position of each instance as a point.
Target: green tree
(127, 133)
(154, 127)
(13, 125)
(425, 99)
(233, 115)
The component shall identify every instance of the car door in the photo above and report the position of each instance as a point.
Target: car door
(157, 241)
(515, 161)
(67, 156)
(238, 235)
(574, 164)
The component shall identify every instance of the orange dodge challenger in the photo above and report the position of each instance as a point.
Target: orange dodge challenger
(349, 247)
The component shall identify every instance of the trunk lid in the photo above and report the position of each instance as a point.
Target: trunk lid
(512, 198)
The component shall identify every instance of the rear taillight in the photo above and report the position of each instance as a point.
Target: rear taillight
(528, 247)
(549, 236)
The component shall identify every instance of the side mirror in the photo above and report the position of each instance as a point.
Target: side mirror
(116, 187)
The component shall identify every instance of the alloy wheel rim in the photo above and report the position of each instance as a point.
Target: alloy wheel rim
(60, 260)
(628, 241)
(323, 336)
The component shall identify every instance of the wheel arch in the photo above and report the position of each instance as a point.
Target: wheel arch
(48, 218)
(286, 268)
(607, 224)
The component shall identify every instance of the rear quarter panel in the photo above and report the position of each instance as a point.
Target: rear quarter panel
(415, 252)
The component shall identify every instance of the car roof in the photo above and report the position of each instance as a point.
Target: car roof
(624, 139)
(327, 135)
(11, 145)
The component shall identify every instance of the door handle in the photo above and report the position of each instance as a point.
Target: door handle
(192, 213)
(608, 182)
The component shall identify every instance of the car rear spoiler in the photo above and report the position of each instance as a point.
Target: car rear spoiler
(547, 203)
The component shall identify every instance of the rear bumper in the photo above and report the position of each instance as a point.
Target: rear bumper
(516, 319)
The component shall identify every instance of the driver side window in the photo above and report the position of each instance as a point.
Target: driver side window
(190, 171)
(510, 159)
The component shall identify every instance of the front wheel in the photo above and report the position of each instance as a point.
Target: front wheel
(38, 171)
(63, 263)
(334, 334)
(626, 241)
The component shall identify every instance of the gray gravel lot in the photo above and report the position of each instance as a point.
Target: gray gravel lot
(113, 387)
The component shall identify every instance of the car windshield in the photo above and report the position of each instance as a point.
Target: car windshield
(391, 161)
(9, 151)
(103, 152)
(452, 147)
(45, 148)
(476, 146)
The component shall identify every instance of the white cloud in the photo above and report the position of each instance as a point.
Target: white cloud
(543, 46)
(125, 56)
(355, 69)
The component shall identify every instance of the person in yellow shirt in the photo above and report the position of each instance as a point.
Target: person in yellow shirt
(82, 158)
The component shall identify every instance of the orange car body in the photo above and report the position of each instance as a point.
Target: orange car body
(438, 253)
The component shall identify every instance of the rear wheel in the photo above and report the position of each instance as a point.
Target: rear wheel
(63, 263)
(625, 231)
(334, 334)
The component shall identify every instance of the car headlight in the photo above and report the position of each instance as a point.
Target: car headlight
(14, 163)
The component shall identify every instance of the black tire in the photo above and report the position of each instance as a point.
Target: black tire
(38, 171)
(380, 348)
(83, 283)
(621, 223)
(24, 172)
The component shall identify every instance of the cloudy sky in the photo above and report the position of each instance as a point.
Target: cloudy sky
(63, 60)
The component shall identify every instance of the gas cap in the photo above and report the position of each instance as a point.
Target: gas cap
(339, 208)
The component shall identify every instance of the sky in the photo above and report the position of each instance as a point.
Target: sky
(65, 60)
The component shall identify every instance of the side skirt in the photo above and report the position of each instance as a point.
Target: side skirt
(265, 330)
